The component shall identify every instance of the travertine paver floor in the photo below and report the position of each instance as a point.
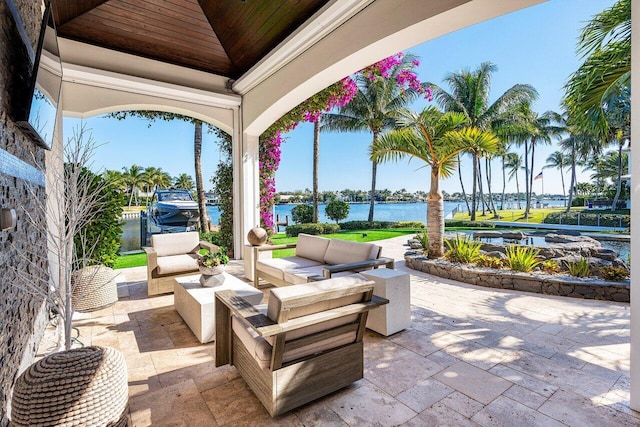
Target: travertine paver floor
(473, 356)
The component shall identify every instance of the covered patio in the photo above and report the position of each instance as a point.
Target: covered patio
(472, 356)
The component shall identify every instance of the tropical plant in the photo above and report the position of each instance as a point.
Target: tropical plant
(432, 136)
(490, 261)
(522, 258)
(513, 163)
(463, 250)
(469, 95)
(550, 266)
(183, 181)
(423, 238)
(580, 147)
(133, 177)
(605, 43)
(579, 268)
(214, 259)
(381, 95)
(612, 273)
(337, 210)
(223, 188)
(558, 160)
(302, 214)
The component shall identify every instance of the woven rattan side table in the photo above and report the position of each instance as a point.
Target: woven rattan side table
(94, 288)
(84, 387)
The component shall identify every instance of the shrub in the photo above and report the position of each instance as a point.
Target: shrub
(337, 210)
(522, 258)
(463, 250)
(579, 268)
(423, 238)
(101, 236)
(302, 214)
(409, 224)
(223, 186)
(312, 228)
(614, 274)
(212, 237)
(489, 261)
(550, 266)
(469, 224)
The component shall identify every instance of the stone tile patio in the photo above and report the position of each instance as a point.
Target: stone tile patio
(473, 356)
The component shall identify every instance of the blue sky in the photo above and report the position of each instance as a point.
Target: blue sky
(534, 46)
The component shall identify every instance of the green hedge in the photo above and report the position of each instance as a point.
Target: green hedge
(469, 224)
(379, 225)
(311, 228)
(571, 218)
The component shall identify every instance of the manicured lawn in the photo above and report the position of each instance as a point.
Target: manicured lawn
(131, 260)
(535, 215)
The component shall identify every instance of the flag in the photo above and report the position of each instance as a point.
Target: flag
(539, 176)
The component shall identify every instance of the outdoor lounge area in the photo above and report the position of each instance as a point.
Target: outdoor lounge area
(472, 356)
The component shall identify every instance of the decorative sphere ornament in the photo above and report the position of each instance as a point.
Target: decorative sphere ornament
(257, 236)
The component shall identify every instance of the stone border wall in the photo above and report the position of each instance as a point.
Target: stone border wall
(540, 283)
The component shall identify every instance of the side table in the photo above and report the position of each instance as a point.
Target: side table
(396, 287)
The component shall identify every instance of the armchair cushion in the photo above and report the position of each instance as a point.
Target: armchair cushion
(312, 247)
(177, 263)
(345, 252)
(175, 243)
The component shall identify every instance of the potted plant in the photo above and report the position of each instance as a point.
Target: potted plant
(213, 263)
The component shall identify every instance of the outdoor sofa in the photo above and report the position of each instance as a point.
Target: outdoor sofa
(172, 255)
(305, 344)
(317, 258)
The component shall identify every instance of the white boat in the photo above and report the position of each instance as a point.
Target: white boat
(173, 208)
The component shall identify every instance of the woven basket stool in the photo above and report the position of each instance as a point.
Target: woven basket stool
(94, 288)
(79, 387)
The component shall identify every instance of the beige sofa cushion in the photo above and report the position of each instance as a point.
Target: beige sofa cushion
(301, 275)
(345, 252)
(278, 295)
(312, 247)
(175, 243)
(277, 266)
(177, 264)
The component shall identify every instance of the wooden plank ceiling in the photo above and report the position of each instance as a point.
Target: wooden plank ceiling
(224, 37)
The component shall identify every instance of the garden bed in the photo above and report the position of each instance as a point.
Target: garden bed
(538, 282)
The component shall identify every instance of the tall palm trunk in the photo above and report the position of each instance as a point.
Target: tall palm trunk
(435, 216)
(533, 150)
(572, 186)
(481, 193)
(464, 193)
(518, 191)
(526, 180)
(487, 167)
(504, 184)
(316, 157)
(374, 171)
(197, 156)
(564, 193)
(474, 189)
(619, 178)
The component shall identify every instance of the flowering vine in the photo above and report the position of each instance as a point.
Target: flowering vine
(335, 96)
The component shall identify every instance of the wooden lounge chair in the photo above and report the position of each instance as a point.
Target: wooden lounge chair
(307, 345)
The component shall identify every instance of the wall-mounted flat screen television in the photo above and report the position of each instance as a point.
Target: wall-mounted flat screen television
(37, 78)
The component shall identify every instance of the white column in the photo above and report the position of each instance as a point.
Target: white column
(246, 187)
(635, 209)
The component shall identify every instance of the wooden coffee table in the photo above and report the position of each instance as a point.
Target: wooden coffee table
(196, 304)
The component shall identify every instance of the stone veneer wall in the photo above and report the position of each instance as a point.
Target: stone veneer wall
(22, 316)
(561, 285)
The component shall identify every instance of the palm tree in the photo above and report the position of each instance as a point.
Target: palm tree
(116, 179)
(513, 163)
(606, 43)
(580, 147)
(470, 95)
(184, 181)
(197, 157)
(134, 177)
(374, 108)
(558, 160)
(431, 136)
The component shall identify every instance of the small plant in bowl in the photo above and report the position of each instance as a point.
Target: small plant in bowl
(213, 262)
